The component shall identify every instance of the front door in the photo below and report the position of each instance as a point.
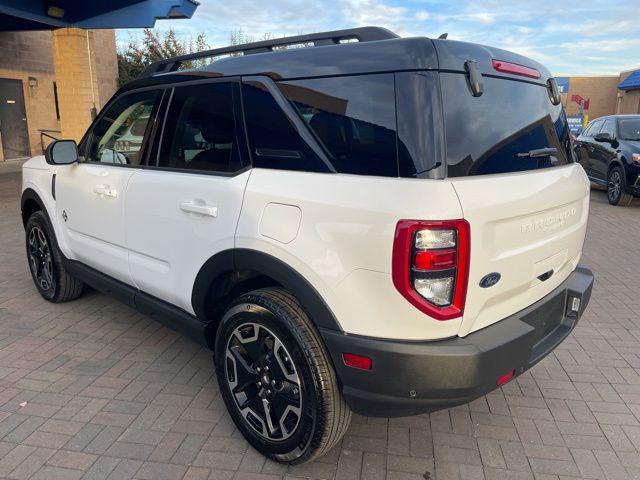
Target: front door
(13, 120)
(91, 194)
(185, 208)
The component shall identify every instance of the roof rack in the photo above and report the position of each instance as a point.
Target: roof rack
(363, 34)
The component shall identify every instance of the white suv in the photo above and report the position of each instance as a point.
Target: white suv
(387, 226)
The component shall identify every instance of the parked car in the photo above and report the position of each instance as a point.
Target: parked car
(343, 239)
(609, 151)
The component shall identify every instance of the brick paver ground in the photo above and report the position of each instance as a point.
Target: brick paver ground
(92, 389)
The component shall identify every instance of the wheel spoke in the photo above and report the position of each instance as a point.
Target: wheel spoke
(263, 381)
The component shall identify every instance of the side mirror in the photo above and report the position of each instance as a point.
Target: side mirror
(61, 152)
(604, 137)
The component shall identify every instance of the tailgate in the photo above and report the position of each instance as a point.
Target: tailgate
(509, 158)
(529, 227)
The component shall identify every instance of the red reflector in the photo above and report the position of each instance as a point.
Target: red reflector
(356, 361)
(502, 379)
(435, 259)
(515, 69)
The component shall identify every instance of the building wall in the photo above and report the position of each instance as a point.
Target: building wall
(31, 54)
(628, 101)
(601, 92)
(24, 55)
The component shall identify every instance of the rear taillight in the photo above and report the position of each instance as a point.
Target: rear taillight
(431, 265)
(515, 69)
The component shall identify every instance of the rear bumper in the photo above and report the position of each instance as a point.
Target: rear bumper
(409, 378)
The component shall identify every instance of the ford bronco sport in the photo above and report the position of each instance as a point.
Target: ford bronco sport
(370, 223)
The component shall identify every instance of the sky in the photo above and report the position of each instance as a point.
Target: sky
(570, 37)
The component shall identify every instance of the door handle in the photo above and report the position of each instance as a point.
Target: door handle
(106, 190)
(200, 207)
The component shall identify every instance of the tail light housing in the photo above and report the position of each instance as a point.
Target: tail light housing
(514, 69)
(430, 265)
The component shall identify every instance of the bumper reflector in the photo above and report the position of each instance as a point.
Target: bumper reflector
(507, 377)
(356, 361)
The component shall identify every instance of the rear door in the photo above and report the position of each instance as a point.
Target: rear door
(527, 207)
(184, 207)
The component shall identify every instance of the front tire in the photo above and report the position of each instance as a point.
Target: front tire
(276, 378)
(616, 184)
(50, 277)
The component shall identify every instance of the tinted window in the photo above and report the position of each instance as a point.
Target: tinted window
(419, 118)
(200, 130)
(629, 128)
(275, 142)
(353, 119)
(495, 132)
(609, 127)
(117, 137)
(593, 129)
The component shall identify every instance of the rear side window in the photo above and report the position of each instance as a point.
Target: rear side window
(353, 119)
(275, 142)
(200, 131)
(500, 131)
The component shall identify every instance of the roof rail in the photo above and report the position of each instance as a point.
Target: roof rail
(363, 34)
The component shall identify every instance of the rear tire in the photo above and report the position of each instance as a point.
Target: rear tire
(270, 360)
(50, 277)
(616, 185)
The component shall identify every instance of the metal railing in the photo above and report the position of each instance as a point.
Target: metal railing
(46, 133)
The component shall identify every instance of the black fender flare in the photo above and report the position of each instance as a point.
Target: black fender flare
(240, 259)
(30, 194)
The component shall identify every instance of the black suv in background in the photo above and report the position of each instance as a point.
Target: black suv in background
(609, 151)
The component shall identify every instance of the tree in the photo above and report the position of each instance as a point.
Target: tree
(137, 55)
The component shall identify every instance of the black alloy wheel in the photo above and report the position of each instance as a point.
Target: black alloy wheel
(277, 379)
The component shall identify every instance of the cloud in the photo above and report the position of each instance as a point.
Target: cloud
(588, 38)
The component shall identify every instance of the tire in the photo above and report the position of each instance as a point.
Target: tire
(616, 184)
(49, 275)
(269, 333)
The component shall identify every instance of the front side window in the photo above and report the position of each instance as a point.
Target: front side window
(118, 136)
(593, 129)
(353, 119)
(609, 127)
(201, 130)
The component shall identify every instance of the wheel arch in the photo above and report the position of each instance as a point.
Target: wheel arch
(234, 272)
(30, 203)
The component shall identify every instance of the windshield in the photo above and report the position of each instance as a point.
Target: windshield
(629, 128)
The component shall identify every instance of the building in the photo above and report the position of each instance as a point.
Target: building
(606, 95)
(58, 64)
(49, 83)
(628, 100)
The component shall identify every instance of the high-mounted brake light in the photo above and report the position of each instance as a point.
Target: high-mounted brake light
(515, 69)
(431, 265)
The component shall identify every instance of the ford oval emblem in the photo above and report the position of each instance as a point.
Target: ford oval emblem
(490, 280)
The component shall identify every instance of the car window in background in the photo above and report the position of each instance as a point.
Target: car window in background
(117, 137)
(201, 135)
(353, 118)
(609, 127)
(629, 128)
(593, 128)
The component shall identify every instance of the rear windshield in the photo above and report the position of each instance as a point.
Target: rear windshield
(504, 130)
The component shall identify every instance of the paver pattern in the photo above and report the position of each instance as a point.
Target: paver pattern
(92, 389)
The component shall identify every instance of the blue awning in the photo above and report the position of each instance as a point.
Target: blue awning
(40, 15)
(631, 82)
